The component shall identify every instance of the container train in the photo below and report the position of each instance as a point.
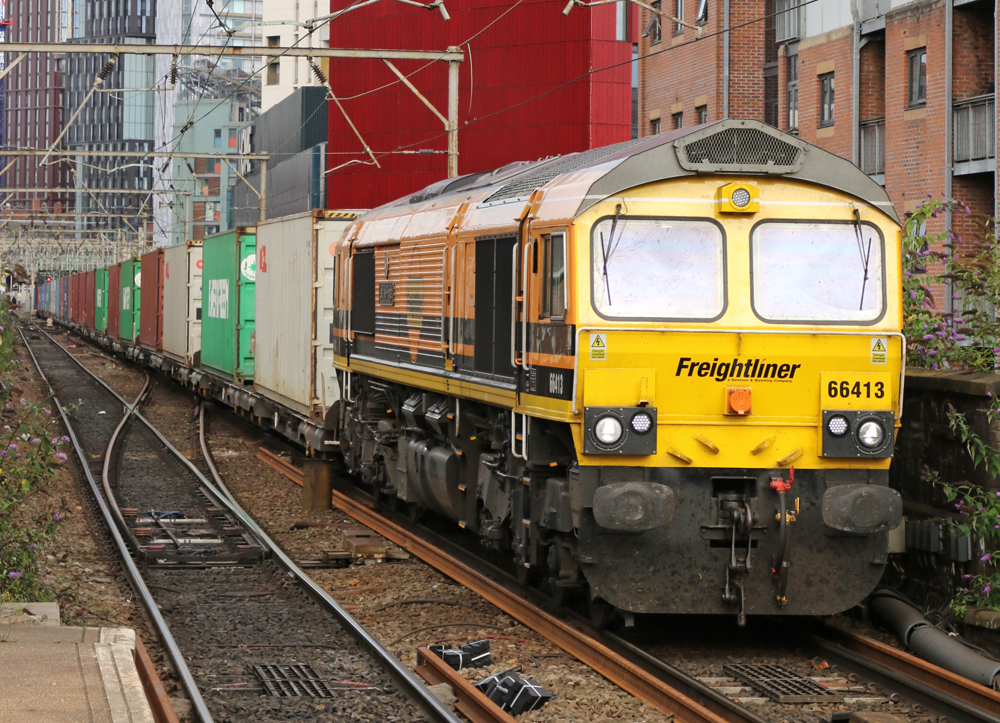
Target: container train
(664, 376)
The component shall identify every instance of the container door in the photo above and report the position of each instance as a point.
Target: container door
(245, 282)
(159, 302)
(193, 324)
(136, 299)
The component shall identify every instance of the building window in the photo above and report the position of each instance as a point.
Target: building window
(826, 99)
(701, 114)
(702, 17)
(679, 15)
(218, 138)
(232, 138)
(654, 127)
(917, 76)
(792, 92)
(274, 67)
(654, 30)
(677, 120)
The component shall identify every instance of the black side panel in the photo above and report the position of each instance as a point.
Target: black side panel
(363, 293)
(502, 307)
(485, 256)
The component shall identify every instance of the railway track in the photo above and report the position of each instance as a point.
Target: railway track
(249, 635)
(872, 671)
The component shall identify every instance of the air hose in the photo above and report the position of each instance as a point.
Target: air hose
(930, 642)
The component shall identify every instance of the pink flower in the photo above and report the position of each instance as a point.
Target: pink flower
(13, 575)
(61, 456)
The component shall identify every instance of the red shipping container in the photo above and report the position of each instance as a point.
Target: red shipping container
(151, 301)
(81, 284)
(114, 300)
(71, 305)
(89, 297)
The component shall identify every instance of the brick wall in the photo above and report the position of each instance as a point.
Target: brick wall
(831, 53)
(680, 74)
(972, 47)
(872, 81)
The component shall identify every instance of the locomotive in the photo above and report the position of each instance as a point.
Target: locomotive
(664, 376)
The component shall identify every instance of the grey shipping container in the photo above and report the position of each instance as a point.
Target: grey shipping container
(182, 302)
(294, 309)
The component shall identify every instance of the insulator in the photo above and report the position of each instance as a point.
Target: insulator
(173, 71)
(108, 66)
(318, 71)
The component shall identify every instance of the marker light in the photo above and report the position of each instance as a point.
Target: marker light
(641, 422)
(837, 426)
(740, 197)
(608, 430)
(870, 434)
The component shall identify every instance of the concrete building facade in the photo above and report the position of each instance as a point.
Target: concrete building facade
(283, 76)
(207, 209)
(904, 88)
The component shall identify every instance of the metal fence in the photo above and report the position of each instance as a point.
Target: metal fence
(974, 125)
(873, 146)
(788, 19)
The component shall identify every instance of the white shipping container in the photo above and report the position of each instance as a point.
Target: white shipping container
(182, 301)
(294, 286)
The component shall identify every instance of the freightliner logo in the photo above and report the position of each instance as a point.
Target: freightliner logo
(750, 370)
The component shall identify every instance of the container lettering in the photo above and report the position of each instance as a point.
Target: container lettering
(218, 298)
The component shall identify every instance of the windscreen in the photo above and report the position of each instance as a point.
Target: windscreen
(817, 272)
(657, 269)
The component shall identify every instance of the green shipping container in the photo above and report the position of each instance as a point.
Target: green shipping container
(101, 301)
(227, 321)
(131, 281)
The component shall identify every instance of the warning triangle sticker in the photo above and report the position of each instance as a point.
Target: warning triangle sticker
(879, 346)
(598, 343)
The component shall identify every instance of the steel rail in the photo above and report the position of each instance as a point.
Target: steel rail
(702, 694)
(108, 455)
(968, 700)
(131, 570)
(407, 681)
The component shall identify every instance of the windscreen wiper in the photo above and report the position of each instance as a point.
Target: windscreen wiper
(606, 250)
(865, 255)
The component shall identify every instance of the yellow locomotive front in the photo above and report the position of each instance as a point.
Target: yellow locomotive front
(665, 374)
(738, 372)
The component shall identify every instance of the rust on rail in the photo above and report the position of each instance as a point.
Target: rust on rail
(156, 694)
(470, 701)
(620, 671)
(911, 666)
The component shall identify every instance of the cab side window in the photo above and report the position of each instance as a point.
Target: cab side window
(554, 276)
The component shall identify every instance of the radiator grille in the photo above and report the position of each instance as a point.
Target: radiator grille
(740, 150)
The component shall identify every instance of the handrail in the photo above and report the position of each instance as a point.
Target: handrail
(524, 305)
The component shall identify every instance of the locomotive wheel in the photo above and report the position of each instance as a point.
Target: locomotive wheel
(527, 575)
(563, 596)
(414, 511)
(601, 613)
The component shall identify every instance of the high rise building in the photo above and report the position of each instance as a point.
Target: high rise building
(283, 76)
(32, 101)
(199, 84)
(119, 117)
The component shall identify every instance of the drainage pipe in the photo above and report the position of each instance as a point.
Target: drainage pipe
(931, 643)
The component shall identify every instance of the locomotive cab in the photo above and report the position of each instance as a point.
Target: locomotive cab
(666, 374)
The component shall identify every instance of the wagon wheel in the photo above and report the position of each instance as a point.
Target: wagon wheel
(601, 612)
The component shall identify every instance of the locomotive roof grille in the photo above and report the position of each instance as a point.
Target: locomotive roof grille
(526, 184)
(740, 150)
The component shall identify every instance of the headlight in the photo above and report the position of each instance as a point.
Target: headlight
(608, 430)
(641, 423)
(870, 434)
(837, 426)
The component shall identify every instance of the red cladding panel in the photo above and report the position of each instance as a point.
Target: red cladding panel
(511, 57)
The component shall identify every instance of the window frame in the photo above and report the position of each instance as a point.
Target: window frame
(792, 87)
(654, 127)
(677, 120)
(656, 29)
(911, 55)
(701, 114)
(679, 14)
(808, 222)
(824, 91)
(545, 311)
(595, 245)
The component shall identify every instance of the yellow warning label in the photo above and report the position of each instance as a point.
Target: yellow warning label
(598, 347)
(880, 350)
